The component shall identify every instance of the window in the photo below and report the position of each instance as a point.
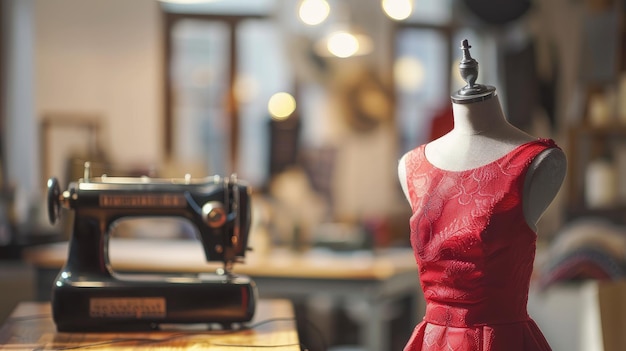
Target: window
(222, 70)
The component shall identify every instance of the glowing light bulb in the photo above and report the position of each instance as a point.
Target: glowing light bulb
(397, 9)
(313, 12)
(342, 44)
(281, 106)
(185, 1)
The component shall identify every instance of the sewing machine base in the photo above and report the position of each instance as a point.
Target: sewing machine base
(84, 304)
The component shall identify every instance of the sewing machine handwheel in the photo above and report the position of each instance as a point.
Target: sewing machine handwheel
(54, 200)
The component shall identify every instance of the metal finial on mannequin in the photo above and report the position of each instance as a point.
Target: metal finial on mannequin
(468, 68)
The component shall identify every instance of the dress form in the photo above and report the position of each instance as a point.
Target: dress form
(481, 134)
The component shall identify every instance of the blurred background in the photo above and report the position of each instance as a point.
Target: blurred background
(312, 102)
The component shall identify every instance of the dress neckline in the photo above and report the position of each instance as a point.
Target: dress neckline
(548, 142)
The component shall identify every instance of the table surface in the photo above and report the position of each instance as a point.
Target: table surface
(30, 327)
(375, 279)
(187, 256)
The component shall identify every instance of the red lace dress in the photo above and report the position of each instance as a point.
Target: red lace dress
(475, 254)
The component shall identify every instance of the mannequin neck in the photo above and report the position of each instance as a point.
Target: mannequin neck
(478, 117)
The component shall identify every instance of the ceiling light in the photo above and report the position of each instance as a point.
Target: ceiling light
(186, 1)
(397, 9)
(313, 12)
(281, 106)
(344, 43)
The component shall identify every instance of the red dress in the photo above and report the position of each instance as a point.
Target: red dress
(475, 254)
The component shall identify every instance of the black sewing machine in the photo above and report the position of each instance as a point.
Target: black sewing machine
(89, 296)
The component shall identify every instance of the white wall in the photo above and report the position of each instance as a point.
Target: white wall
(102, 57)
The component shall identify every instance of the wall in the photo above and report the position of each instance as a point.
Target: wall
(102, 58)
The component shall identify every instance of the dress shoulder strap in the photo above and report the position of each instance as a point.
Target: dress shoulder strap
(521, 157)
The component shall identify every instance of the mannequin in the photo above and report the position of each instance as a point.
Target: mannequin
(476, 194)
(482, 134)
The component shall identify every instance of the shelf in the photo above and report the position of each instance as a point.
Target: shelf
(585, 144)
(616, 214)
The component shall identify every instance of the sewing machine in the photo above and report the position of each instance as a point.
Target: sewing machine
(89, 296)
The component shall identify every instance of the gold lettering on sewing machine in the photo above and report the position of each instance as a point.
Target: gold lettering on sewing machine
(125, 307)
(147, 200)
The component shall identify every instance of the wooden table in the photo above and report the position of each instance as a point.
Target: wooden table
(376, 280)
(30, 327)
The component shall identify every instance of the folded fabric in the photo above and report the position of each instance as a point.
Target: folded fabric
(581, 264)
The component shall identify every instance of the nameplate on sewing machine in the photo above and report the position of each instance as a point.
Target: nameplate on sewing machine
(127, 307)
(143, 200)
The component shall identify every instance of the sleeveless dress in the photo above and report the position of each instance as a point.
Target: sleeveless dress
(475, 253)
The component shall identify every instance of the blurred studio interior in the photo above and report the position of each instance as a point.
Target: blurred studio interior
(312, 103)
